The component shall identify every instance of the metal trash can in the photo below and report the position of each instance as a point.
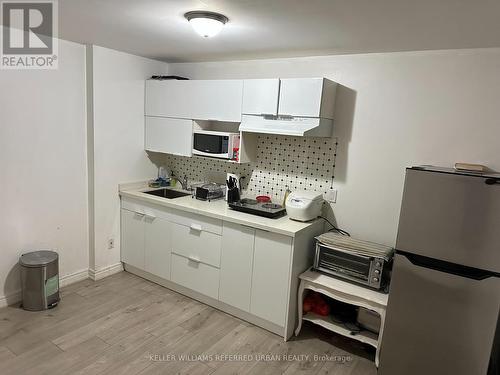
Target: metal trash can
(39, 280)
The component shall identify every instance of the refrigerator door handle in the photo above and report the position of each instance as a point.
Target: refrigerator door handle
(448, 267)
(492, 181)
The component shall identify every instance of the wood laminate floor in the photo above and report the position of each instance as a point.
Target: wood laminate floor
(126, 325)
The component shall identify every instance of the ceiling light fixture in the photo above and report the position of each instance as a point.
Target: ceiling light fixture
(207, 24)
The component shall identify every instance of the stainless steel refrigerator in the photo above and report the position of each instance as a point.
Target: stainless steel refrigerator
(444, 297)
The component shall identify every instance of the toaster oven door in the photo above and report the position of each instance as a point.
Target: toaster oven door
(340, 263)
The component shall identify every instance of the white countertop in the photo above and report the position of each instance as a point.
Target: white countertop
(217, 209)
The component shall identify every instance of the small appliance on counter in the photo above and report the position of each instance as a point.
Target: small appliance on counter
(233, 190)
(208, 192)
(358, 261)
(265, 209)
(304, 205)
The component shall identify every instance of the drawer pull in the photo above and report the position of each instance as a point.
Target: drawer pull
(150, 217)
(196, 227)
(193, 259)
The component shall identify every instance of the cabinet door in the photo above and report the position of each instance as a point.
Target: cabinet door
(271, 276)
(260, 96)
(301, 97)
(194, 243)
(169, 98)
(168, 135)
(197, 276)
(218, 100)
(236, 265)
(132, 238)
(157, 246)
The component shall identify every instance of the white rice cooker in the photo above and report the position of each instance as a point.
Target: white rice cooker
(304, 205)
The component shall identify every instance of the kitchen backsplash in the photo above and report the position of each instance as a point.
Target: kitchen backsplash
(297, 163)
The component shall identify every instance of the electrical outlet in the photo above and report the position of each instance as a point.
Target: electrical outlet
(331, 195)
(111, 243)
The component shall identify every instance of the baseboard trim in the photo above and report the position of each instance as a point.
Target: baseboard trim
(106, 271)
(10, 299)
(73, 278)
(16, 297)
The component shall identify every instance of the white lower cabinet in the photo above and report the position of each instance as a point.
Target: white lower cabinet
(146, 242)
(271, 276)
(132, 238)
(236, 265)
(246, 268)
(157, 246)
(197, 276)
(196, 244)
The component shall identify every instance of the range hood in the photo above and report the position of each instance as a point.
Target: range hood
(287, 125)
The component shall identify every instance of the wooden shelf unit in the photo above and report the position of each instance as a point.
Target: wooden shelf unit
(366, 337)
(348, 293)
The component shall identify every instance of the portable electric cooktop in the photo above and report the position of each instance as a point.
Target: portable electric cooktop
(251, 206)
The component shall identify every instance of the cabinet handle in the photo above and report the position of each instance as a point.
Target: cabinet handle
(140, 214)
(193, 259)
(247, 226)
(150, 217)
(196, 227)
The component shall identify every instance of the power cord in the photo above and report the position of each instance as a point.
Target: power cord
(334, 228)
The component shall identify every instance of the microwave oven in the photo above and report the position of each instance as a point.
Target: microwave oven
(357, 261)
(214, 144)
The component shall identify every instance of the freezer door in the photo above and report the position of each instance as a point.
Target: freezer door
(451, 217)
(438, 323)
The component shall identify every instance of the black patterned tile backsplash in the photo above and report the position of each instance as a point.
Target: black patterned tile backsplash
(297, 163)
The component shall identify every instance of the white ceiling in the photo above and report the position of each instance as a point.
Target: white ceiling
(281, 28)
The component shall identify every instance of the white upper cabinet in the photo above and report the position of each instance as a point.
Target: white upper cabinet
(168, 135)
(307, 97)
(169, 98)
(260, 96)
(218, 100)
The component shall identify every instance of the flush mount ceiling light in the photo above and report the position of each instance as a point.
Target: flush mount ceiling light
(207, 24)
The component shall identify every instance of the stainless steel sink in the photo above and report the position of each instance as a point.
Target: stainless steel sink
(167, 193)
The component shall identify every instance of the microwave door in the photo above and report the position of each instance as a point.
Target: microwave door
(209, 144)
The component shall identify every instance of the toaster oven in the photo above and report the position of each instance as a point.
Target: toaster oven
(358, 261)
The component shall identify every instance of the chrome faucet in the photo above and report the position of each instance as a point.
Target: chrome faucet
(183, 181)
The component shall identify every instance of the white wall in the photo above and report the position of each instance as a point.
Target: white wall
(394, 110)
(43, 193)
(118, 129)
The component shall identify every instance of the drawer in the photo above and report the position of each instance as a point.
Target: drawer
(204, 223)
(196, 244)
(199, 277)
(197, 222)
